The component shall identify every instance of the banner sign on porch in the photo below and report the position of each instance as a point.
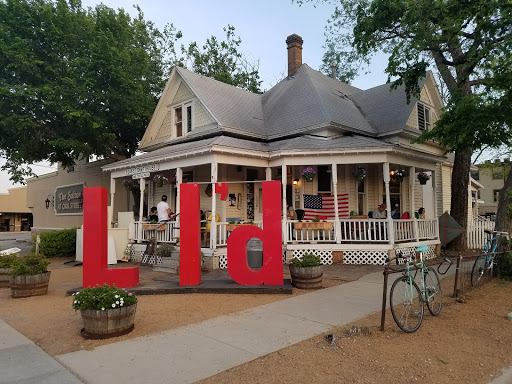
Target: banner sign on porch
(69, 199)
(323, 206)
(142, 175)
(142, 169)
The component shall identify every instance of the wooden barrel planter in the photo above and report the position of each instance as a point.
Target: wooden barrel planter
(108, 323)
(307, 277)
(29, 285)
(4, 278)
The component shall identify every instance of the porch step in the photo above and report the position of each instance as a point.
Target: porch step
(169, 265)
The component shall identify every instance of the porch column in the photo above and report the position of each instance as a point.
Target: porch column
(112, 193)
(412, 174)
(268, 174)
(142, 185)
(213, 223)
(179, 180)
(434, 189)
(385, 169)
(337, 226)
(284, 223)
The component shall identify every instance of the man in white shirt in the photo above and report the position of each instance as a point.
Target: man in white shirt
(164, 212)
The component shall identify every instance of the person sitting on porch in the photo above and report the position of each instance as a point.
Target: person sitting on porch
(379, 212)
(164, 212)
(153, 215)
(291, 215)
(395, 213)
(420, 214)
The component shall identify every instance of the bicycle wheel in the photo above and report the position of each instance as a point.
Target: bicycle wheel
(406, 304)
(433, 293)
(478, 270)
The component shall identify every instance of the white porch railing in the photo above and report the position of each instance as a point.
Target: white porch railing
(170, 234)
(475, 233)
(352, 231)
(223, 234)
(309, 235)
(368, 230)
(428, 229)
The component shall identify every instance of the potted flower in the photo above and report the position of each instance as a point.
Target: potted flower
(170, 257)
(308, 174)
(6, 264)
(306, 273)
(130, 185)
(398, 175)
(29, 276)
(359, 174)
(423, 177)
(107, 311)
(159, 179)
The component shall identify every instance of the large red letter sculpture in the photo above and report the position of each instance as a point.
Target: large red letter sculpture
(190, 249)
(95, 267)
(271, 273)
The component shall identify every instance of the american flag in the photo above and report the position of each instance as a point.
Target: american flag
(323, 206)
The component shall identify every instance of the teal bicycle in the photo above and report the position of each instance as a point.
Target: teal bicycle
(485, 262)
(407, 298)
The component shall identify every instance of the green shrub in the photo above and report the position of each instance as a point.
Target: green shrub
(30, 264)
(103, 297)
(57, 244)
(8, 261)
(506, 267)
(308, 260)
(165, 250)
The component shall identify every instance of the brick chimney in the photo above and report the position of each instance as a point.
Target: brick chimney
(294, 43)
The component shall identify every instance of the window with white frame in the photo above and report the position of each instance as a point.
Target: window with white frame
(424, 117)
(183, 115)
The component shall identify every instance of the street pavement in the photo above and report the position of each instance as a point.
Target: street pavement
(21, 240)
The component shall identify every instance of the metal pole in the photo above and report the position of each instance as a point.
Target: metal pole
(455, 288)
(384, 297)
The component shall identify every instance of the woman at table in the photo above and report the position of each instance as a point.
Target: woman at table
(153, 214)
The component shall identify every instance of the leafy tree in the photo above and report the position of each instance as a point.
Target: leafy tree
(223, 61)
(468, 41)
(73, 82)
(76, 82)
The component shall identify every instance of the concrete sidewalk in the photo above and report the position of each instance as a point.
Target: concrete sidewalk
(21, 361)
(191, 353)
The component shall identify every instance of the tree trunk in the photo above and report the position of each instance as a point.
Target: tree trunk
(460, 188)
(504, 212)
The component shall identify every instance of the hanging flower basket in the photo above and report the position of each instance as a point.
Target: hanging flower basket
(159, 179)
(130, 184)
(398, 175)
(423, 178)
(359, 174)
(308, 174)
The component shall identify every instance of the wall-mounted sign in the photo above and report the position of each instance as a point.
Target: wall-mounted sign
(142, 175)
(69, 199)
(142, 169)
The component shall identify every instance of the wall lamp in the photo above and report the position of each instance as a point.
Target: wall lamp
(296, 181)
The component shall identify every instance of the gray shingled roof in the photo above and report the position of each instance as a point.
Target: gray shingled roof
(387, 111)
(234, 108)
(310, 99)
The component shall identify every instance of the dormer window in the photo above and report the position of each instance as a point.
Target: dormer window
(424, 117)
(183, 119)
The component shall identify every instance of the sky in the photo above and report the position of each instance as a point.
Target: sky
(262, 25)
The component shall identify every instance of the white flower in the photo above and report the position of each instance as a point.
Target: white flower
(113, 305)
(121, 304)
(102, 309)
(116, 296)
(117, 302)
(74, 302)
(73, 294)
